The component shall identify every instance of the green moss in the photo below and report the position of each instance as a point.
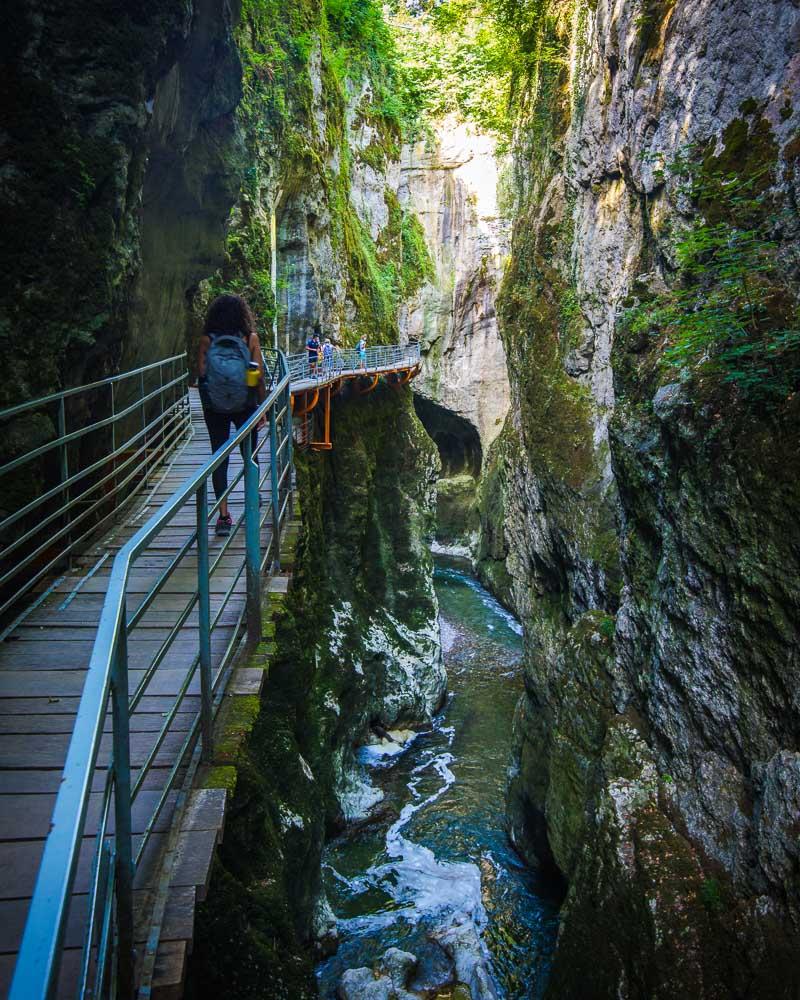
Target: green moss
(457, 517)
(650, 23)
(235, 721)
(222, 776)
(492, 549)
(711, 895)
(537, 312)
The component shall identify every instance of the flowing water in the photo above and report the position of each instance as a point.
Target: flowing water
(441, 854)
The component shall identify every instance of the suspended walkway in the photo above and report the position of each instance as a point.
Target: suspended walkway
(315, 381)
(123, 617)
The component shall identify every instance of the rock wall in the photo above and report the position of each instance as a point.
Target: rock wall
(116, 122)
(649, 518)
(451, 181)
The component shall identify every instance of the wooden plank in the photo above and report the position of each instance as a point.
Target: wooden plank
(141, 651)
(27, 817)
(69, 706)
(66, 683)
(246, 680)
(205, 809)
(13, 913)
(49, 750)
(169, 971)
(67, 978)
(33, 782)
(193, 857)
(178, 920)
(141, 722)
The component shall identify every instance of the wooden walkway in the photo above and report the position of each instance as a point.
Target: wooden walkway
(42, 669)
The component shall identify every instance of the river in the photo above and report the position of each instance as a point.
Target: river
(440, 853)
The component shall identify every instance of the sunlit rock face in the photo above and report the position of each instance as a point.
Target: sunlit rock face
(451, 183)
(650, 531)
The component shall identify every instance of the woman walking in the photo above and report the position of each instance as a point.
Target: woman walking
(231, 382)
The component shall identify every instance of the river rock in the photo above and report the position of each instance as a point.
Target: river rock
(361, 984)
(434, 968)
(388, 982)
(463, 944)
(398, 966)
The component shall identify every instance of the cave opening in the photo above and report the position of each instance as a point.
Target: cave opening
(456, 438)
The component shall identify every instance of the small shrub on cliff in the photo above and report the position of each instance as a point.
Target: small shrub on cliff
(711, 895)
(731, 314)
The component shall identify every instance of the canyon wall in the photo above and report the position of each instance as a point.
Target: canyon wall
(450, 180)
(641, 515)
(118, 137)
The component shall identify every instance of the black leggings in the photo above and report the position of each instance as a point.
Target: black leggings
(219, 428)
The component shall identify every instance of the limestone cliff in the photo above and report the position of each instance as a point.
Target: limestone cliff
(450, 180)
(642, 515)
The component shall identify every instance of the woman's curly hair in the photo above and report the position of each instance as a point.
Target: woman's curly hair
(229, 314)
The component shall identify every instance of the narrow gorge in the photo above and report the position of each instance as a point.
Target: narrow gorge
(529, 725)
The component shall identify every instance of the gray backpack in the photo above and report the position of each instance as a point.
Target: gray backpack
(225, 380)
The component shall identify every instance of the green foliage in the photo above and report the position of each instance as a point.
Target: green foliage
(466, 58)
(711, 895)
(731, 314)
(455, 61)
(649, 21)
(416, 264)
(607, 626)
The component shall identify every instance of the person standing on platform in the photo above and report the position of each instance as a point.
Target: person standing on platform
(327, 356)
(231, 383)
(313, 349)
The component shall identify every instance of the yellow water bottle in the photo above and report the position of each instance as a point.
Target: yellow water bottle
(253, 375)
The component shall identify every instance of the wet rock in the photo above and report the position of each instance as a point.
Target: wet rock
(778, 847)
(388, 982)
(361, 984)
(435, 969)
(670, 400)
(323, 927)
(399, 966)
(463, 944)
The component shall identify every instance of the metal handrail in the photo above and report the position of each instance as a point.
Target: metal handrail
(348, 361)
(80, 496)
(109, 944)
(35, 404)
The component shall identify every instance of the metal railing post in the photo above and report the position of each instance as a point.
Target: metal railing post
(276, 499)
(161, 400)
(63, 458)
(144, 428)
(114, 437)
(122, 817)
(204, 622)
(252, 530)
(287, 429)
